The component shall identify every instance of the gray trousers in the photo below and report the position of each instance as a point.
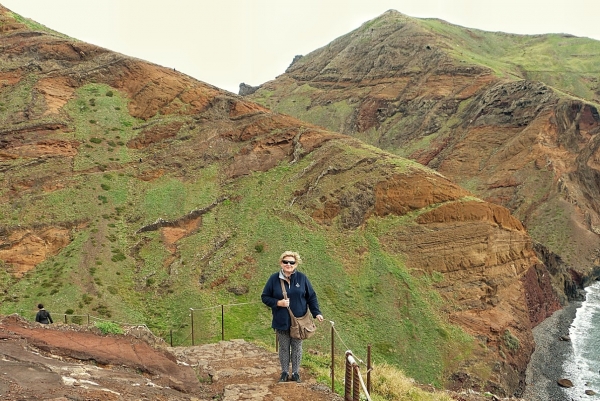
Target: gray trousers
(289, 348)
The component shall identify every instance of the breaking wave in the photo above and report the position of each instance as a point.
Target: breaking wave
(584, 366)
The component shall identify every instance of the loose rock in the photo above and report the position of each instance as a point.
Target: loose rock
(565, 383)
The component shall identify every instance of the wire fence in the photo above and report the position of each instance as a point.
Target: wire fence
(212, 324)
(250, 321)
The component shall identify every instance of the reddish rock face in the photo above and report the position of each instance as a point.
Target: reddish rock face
(25, 248)
(154, 134)
(541, 298)
(400, 195)
(490, 270)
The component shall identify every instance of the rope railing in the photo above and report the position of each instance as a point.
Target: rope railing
(368, 365)
(209, 308)
(218, 306)
(185, 339)
(343, 343)
(222, 307)
(120, 323)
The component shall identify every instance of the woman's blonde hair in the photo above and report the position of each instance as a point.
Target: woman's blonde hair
(296, 256)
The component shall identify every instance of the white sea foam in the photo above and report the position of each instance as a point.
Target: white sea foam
(583, 368)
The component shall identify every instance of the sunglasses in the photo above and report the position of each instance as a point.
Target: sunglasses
(288, 262)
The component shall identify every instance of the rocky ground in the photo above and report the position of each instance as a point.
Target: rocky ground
(67, 362)
(243, 371)
(545, 367)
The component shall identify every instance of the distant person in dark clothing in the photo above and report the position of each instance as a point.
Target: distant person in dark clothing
(43, 316)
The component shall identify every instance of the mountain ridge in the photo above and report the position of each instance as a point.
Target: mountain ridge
(463, 102)
(96, 146)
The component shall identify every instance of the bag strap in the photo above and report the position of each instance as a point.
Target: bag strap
(285, 297)
(283, 288)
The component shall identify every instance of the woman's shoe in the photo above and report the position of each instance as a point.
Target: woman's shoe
(284, 377)
(296, 378)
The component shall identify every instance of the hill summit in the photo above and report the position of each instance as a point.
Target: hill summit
(512, 118)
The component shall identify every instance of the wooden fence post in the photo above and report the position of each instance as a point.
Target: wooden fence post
(355, 383)
(348, 379)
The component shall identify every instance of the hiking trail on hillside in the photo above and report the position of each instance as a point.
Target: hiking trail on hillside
(59, 362)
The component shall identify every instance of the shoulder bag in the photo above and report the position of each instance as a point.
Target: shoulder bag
(302, 327)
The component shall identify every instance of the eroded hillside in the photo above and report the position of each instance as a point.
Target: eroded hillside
(134, 192)
(512, 118)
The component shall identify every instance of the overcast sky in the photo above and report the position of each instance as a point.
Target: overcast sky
(226, 42)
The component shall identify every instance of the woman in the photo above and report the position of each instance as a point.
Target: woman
(300, 296)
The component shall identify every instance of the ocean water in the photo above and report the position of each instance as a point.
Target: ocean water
(583, 368)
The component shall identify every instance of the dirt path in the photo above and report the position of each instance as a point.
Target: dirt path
(243, 371)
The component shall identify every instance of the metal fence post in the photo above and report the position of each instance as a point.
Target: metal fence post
(192, 315)
(222, 322)
(65, 318)
(332, 359)
(369, 368)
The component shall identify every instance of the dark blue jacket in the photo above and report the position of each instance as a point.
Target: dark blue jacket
(300, 293)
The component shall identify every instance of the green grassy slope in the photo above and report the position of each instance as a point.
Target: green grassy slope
(112, 272)
(566, 62)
